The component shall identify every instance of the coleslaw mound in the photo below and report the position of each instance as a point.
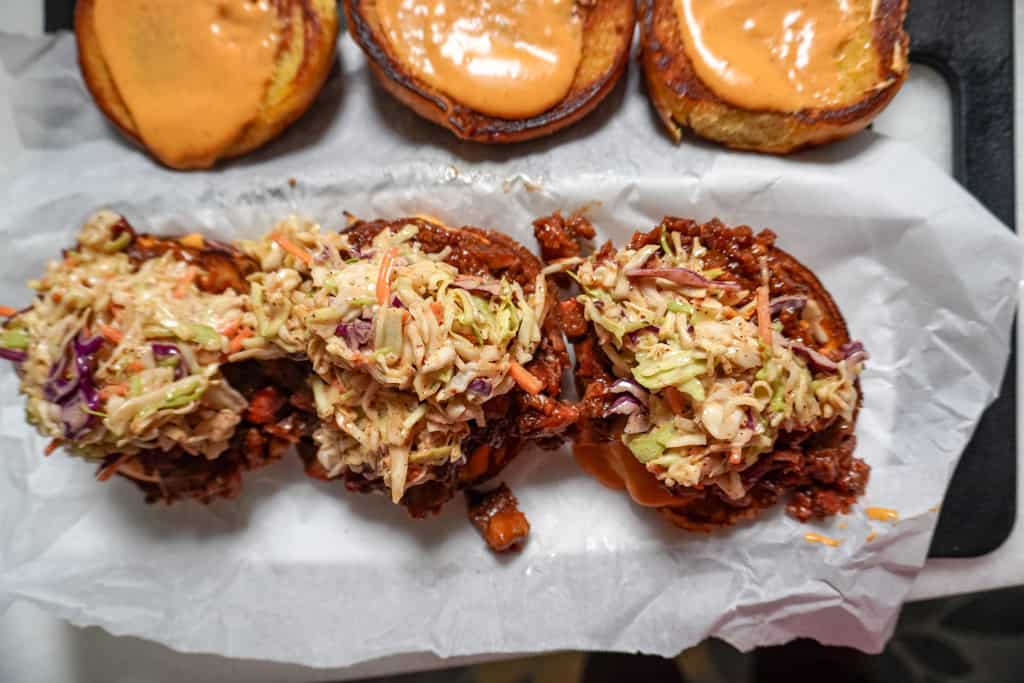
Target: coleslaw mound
(704, 376)
(119, 357)
(405, 348)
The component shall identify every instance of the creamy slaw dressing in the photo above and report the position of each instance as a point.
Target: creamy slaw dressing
(735, 393)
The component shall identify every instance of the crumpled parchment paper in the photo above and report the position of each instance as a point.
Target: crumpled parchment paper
(302, 571)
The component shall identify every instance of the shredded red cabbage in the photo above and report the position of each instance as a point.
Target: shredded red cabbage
(681, 276)
(854, 352)
(632, 337)
(70, 385)
(162, 351)
(815, 359)
(477, 285)
(356, 333)
(13, 355)
(624, 405)
(86, 347)
(625, 386)
(479, 386)
(793, 302)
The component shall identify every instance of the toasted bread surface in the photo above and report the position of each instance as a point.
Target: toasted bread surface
(683, 101)
(607, 35)
(304, 59)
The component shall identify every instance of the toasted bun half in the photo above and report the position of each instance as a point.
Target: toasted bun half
(814, 468)
(683, 101)
(607, 36)
(309, 36)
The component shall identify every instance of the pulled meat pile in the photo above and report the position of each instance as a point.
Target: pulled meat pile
(814, 466)
(512, 419)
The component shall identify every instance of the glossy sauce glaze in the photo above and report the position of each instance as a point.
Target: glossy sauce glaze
(510, 59)
(192, 73)
(614, 465)
(776, 55)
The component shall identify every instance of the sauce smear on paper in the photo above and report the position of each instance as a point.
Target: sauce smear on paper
(882, 514)
(812, 537)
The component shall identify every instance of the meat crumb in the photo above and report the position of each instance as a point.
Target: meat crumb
(496, 517)
(559, 237)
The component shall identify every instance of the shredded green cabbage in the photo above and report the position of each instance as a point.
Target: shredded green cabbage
(148, 400)
(400, 374)
(736, 394)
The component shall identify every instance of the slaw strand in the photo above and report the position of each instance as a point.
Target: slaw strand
(384, 277)
(181, 289)
(764, 317)
(110, 470)
(675, 400)
(113, 390)
(8, 312)
(525, 379)
(112, 334)
(292, 248)
(230, 328)
(237, 341)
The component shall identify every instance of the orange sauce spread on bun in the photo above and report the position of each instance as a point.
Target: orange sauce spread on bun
(510, 59)
(776, 55)
(192, 73)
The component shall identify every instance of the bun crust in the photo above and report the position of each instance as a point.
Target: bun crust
(607, 37)
(683, 101)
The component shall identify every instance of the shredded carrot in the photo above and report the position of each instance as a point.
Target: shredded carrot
(111, 333)
(51, 447)
(675, 400)
(136, 366)
(438, 310)
(107, 471)
(181, 289)
(764, 317)
(525, 379)
(7, 311)
(236, 342)
(229, 328)
(292, 248)
(57, 297)
(113, 390)
(384, 277)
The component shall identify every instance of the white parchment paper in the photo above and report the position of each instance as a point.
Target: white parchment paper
(304, 572)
